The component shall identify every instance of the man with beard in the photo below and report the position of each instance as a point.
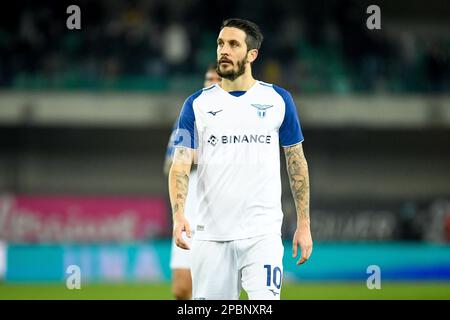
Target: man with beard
(233, 129)
(180, 260)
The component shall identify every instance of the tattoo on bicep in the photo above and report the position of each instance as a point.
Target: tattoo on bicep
(297, 168)
(183, 155)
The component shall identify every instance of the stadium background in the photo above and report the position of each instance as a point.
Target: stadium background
(85, 116)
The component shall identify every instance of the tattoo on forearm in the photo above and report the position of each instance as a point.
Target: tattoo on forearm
(297, 168)
(180, 180)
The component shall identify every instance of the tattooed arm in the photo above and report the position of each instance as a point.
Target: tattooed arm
(178, 189)
(297, 169)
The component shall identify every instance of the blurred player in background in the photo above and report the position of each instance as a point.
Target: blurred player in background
(180, 259)
(234, 130)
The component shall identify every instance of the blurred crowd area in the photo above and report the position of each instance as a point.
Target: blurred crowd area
(158, 45)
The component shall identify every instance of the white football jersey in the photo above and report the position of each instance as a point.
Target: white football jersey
(237, 136)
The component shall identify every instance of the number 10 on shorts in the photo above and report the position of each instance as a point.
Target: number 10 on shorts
(273, 276)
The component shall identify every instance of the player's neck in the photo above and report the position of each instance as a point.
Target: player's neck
(242, 83)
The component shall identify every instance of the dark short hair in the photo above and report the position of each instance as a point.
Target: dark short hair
(253, 37)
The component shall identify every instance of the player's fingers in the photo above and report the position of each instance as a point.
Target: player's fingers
(302, 257)
(294, 247)
(177, 234)
(300, 261)
(187, 228)
(181, 243)
(310, 249)
(306, 252)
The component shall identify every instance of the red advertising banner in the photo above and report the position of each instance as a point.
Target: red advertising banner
(34, 218)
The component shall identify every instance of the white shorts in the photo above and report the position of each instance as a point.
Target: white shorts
(221, 268)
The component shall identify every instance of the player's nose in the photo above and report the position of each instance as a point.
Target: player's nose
(225, 49)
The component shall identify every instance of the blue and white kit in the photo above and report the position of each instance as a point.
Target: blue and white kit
(237, 137)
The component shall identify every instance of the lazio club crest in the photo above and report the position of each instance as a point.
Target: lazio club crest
(261, 109)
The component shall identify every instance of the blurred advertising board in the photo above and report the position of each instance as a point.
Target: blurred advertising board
(149, 262)
(427, 220)
(43, 218)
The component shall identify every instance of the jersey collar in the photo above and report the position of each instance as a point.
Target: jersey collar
(245, 93)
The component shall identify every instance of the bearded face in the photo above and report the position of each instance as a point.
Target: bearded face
(229, 70)
(232, 53)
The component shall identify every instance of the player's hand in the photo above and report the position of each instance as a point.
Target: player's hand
(181, 225)
(302, 238)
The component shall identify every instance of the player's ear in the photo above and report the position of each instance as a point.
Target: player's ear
(252, 55)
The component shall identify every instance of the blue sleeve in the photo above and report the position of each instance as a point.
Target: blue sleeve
(290, 130)
(185, 134)
(170, 148)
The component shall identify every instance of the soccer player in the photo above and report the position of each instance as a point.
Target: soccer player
(180, 259)
(233, 129)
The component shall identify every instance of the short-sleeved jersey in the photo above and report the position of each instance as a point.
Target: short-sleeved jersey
(237, 136)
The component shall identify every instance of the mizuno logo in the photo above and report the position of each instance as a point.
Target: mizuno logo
(274, 292)
(214, 112)
(261, 109)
